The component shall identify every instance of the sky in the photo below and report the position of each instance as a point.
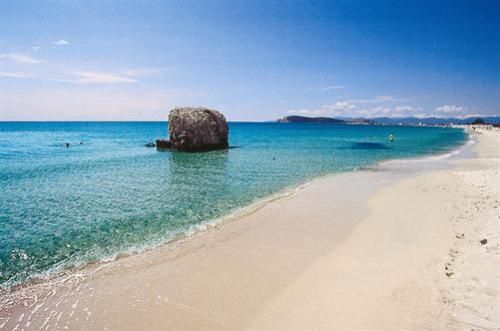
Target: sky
(251, 60)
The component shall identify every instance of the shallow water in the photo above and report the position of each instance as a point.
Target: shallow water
(61, 207)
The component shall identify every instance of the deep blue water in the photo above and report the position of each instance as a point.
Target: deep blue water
(61, 207)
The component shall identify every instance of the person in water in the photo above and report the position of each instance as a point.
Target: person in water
(391, 137)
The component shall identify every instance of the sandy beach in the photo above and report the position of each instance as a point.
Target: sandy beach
(409, 244)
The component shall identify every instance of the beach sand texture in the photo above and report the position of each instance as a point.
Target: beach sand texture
(398, 247)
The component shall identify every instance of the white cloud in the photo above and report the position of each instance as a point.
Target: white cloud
(378, 111)
(139, 72)
(326, 88)
(96, 103)
(474, 115)
(310, 112)
(16, 74)
(450, 109)
(402, 109)
(60, 42)
(407, 111)
(384, 98)
(379, 99)
(360, 108)
(348, 109)
(339, 108)
(94, 77)
(332, 87)
(20, 58)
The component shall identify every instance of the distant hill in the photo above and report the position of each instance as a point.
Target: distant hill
(389, 120)
(433, 120)
(304, 119)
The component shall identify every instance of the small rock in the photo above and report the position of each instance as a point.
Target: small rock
(484, 241)
(163, 144)
(150, 145)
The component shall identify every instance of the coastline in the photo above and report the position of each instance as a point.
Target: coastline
(61, 270)
(261, 263)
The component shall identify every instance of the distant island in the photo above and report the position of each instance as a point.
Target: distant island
(326, 120)
(390, 120)
(304, 119)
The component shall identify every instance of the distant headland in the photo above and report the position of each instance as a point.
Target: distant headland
(327, 120)
(431, 121)
(304, 119)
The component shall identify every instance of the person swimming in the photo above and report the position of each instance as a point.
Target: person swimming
(391, 137)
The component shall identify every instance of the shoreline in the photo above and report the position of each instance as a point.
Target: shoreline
(438, 272)
(180, 254)
(194, 230)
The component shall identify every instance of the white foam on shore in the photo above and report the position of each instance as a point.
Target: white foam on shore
(246, 210)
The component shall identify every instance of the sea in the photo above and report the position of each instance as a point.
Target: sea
(74, 193)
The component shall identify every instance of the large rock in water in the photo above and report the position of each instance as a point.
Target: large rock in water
(197, 129)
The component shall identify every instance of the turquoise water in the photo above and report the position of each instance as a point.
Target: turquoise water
(63, 207)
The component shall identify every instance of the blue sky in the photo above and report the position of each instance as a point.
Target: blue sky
(252, 60)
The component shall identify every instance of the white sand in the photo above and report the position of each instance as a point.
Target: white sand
(367, 250)
(415, 262)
